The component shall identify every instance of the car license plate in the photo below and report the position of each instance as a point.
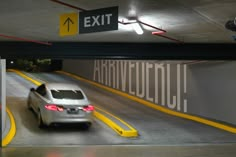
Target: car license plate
(72, 111)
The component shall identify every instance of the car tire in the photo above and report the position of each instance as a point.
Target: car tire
(87, 126)
(40, 121)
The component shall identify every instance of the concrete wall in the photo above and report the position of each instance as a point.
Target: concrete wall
(212, 90)
(203, 89)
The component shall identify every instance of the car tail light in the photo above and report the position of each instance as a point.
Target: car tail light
(53, 107)
(88, 108)
(60, 109)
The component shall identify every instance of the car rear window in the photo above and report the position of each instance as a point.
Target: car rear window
(67, 94)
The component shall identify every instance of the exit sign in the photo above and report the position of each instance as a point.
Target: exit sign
(105, 19)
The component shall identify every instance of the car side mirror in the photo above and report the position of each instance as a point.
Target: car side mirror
(32, 89)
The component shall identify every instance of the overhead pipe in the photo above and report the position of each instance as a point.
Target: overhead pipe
(24, 39)
(68, 5)
(167, 37)
(124, 23)
(159, 29)
(157, 33)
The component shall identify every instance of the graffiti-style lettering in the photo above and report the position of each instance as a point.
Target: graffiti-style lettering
(162, 84)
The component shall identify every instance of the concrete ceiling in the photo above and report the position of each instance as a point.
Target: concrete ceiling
(200, 21)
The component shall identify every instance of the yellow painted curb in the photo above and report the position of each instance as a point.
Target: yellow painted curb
(155, 106)
(25, 76)
(12, 130)
(125, 133)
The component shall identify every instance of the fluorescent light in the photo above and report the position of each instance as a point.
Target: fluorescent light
(137, 28)
(132, 21)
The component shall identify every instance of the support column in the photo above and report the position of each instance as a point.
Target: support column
(2, 96)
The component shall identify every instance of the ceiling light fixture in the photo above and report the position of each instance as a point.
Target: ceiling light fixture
(136, 26)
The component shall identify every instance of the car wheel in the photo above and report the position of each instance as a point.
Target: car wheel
(87, 126)
(40, 121)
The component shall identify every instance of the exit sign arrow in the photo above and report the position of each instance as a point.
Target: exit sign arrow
(68, 21)
(68, 24)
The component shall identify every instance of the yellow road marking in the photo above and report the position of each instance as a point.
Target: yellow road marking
(155, 106)
(122, 132)
(8, 138)
(25, 76)
(125, 133)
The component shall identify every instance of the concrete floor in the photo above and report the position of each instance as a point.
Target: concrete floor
(123, 151)
(170, 136)
(160, 134)
(154, 127)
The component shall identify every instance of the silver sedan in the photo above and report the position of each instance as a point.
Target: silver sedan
(60, 103)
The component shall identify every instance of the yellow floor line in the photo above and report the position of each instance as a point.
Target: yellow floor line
(25, 76)
(122, 132)
(155, 106)
(125, 133)
(130, 127)
(8, 138)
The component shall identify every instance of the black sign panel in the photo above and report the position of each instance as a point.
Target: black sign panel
(105, 19)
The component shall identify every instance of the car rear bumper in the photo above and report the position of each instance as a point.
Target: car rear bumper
(50, 118)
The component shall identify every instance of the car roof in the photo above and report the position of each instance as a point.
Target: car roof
(62, 86)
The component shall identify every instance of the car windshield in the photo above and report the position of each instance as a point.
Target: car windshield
(67, 94)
